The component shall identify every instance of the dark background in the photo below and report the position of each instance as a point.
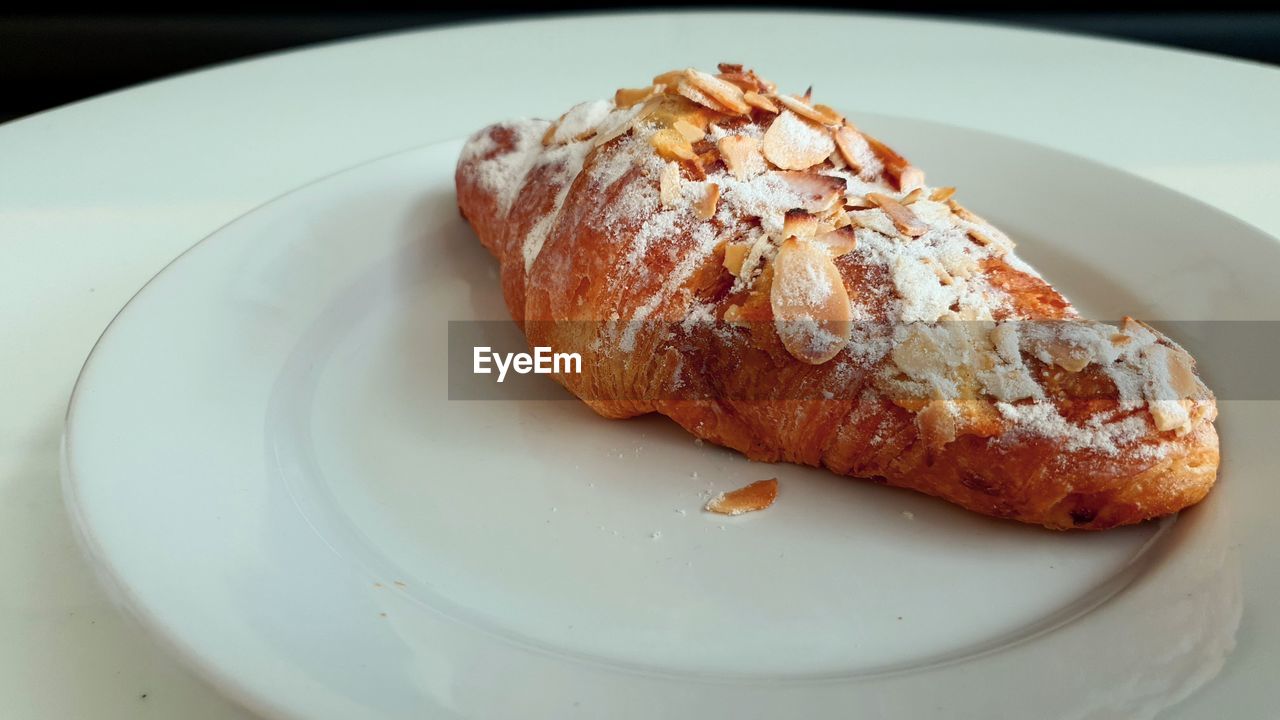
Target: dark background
(50, 56)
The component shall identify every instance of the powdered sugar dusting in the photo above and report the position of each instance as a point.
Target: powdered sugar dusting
(503, 174)
(927, 321)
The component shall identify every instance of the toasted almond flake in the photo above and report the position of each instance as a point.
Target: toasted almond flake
(742, 80)
(670, 78)
(1181, 375)
(669, 185)
(1071, 358)
(937, 424)
(741, 155)
(979, 237)
(726, 94)
(896, 167)
(847, 141)
(838, 242)
(944, 277)
(549, 136)
(626, 97)
(729, 67)
(617, 128)
(964, 213)
(671, 145)
(911, 178)
(811, 310)
(798, 223)
(1171, 415)
(691, 92)
(734, 254)
(697, 167)
(903, 219)
(857, 202)
(760, 102)
(942, 194)
(705, 207)
(792, 143)
(833, 116)
(815, 193)
(757, 496)
(691, 132)
(912, 196)
(803, 109)
(1120, 339)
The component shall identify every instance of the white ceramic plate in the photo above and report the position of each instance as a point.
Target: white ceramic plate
(263, 461)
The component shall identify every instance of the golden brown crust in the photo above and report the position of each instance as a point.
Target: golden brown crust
(734, 382)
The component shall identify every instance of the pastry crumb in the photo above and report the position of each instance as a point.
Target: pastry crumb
(756, 496)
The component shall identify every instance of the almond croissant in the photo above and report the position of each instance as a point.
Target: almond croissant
(773, 279)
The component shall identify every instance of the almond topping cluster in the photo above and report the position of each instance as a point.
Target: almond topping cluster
(737, 123)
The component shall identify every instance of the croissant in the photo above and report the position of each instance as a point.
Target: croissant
(755, 267)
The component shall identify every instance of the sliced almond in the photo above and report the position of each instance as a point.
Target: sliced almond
(798, 223)
(670, 78)
(745, 79)
(838, 242)
(618, 127)
(626, 97)
(937, 424)
(912, 196)
(744, 82)
(741, 155)
(705, 207)
(942, 194)
(944, 277)
(911, 178)
(549, 136)
(848, 142)
(691, 132)
(902, 173)
(814, 192)
(760, 102)
(964, 213)
(920, 355)
(669, 186)
(792, 143)
(757, 496)
(1181, 375)
(734, 255)
(726, 94)
(1071, 358)
(857, 202)
(979, 237)
(903, 219)
(833, 116)
(811, 311)
(803, 109)
(671, 145)
(1170, 415)
(691, 92)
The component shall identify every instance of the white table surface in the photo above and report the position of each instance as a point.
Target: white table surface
(97, 196)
